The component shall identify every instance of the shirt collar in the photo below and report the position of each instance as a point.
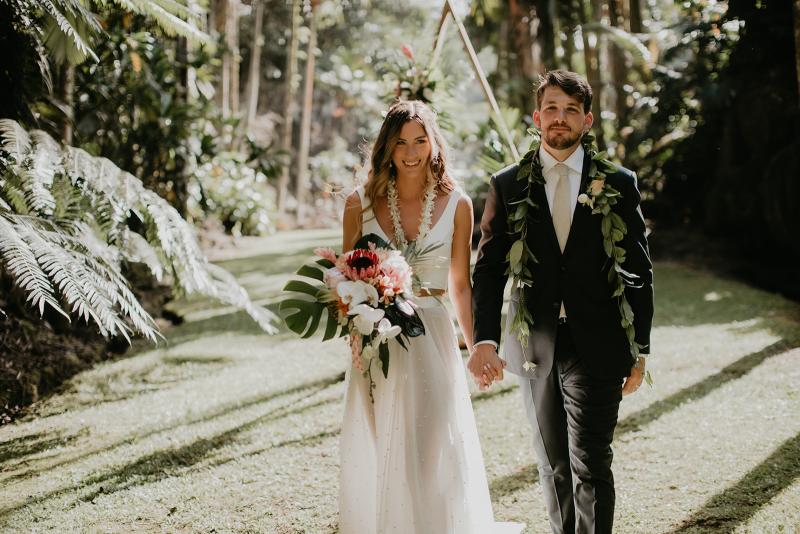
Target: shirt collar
(574, 161)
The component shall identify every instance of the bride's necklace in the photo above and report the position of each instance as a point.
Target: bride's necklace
(425, 220)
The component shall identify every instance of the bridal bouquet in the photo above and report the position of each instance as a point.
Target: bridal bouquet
(367, 295)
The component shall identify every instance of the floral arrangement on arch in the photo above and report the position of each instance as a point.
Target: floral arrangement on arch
(414, 82)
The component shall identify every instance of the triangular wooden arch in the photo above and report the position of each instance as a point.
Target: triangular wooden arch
(447, 14)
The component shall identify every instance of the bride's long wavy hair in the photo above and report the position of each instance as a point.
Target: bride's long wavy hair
(382, 168)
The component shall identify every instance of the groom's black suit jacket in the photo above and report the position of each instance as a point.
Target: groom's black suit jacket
(579, 276)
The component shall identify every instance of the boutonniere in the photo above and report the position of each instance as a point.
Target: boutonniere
(600, 197)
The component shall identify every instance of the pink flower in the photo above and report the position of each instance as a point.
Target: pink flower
(361, 264)
(326, 253)
(407, 52)
(596, 187)
(355, 348)
(332, 277)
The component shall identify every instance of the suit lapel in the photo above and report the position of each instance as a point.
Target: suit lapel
(582, 213)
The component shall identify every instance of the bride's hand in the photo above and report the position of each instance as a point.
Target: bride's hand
(485, 365)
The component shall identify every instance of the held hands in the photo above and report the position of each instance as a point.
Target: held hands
(485, 365)
(634, 381)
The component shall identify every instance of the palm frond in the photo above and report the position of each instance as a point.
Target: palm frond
(625, 40)
(68, 29)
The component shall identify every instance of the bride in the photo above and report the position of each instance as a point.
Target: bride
(411, 460)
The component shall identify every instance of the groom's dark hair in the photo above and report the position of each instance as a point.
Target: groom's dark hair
(570, 82)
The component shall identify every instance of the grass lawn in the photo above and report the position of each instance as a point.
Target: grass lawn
(224, 429)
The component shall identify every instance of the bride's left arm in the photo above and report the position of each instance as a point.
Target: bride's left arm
(460, 283)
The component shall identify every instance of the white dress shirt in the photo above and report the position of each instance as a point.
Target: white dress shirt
(575, 165)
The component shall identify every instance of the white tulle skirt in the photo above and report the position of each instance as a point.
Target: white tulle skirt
(411, 462)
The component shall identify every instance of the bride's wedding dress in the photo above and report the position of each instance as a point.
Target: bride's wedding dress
(411, 462)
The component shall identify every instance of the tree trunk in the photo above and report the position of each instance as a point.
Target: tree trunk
(218, 21)
(68, 98)
(797, 44)
(290, 104)
(635, 16)
(545, 35)
(618, 67)
(522, 71)
(254, 76)
(232, 35)
(591, 57)
(566, 25)
(305, 124)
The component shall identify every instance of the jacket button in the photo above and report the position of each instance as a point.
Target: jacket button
(563, 268)
(557, 305)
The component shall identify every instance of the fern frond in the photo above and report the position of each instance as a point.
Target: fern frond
(19, 261)
(16, 140)
(70, 213)
(230, 292)
(136, 249)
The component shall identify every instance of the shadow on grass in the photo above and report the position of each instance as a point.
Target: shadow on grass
(528, 476)
(735, 370)
(687, 297)
(173, 462)
(729, 508)
(222, 411)
(33, 444)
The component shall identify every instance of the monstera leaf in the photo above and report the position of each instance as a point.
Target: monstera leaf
(307, 303)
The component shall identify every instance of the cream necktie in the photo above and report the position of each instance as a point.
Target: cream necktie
(561, 215)
(561, 207)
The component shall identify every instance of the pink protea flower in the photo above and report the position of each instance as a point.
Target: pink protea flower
(361, 264)
(326, 253)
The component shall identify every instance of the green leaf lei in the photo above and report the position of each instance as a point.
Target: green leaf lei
(599, 197)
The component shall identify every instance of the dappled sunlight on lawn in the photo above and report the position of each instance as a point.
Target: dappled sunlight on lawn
(222, 427)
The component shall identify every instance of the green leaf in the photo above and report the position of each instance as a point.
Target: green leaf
(608, 246)
(331, 326)
(383, 354)
(617, 221)
(325, 263)
(515, 254)
(371, 238)
(306, 319)
(299, 286)
(606, 225)
(311, 272)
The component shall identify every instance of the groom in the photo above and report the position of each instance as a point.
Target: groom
(577, 362)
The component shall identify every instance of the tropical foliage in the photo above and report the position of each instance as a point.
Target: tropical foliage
(70, 221)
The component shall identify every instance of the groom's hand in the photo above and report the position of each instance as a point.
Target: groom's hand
(485, 365)
(634, 381)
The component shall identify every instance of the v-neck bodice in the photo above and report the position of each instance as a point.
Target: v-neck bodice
(434, 268)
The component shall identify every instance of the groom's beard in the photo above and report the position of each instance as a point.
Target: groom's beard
(561, 140)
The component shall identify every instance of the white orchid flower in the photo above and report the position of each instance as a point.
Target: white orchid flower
(365, 318)
(387, 331)
(354, 293)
